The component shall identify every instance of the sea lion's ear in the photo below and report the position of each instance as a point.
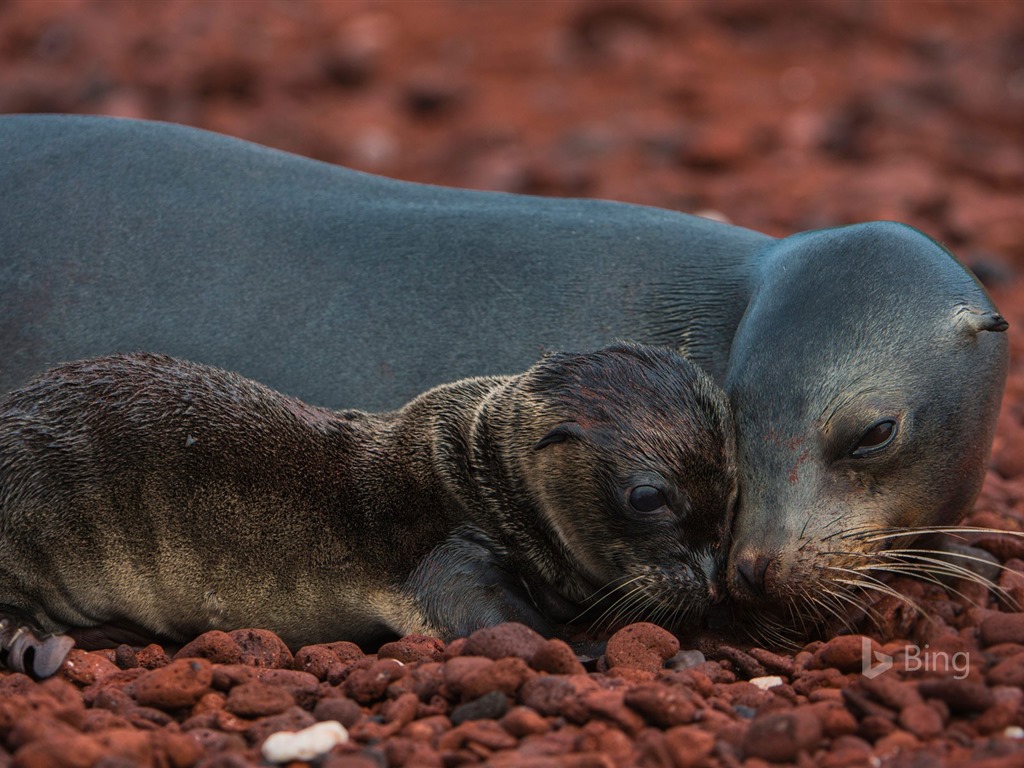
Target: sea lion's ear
(570, 430)
(977, 320)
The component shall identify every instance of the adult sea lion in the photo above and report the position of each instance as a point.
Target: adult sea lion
(864, 362)
(143, 497)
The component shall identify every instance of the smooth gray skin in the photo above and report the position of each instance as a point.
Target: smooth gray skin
(343, 289)
(352, 290)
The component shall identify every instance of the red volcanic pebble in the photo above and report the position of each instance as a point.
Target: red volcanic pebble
(370, 683)
(66, 751)
(556, 657)
(922, 720)
(510, 639)
(812, 680)
(227, 675)
(781, 737)
(258, 699)
(891, 691)
(843, 653)
(85, 667)
(303, 687)
(125, 657)
(1003, 713)
(460, 672)
(345, 711)
(689, 747)
(412, 648)
(471, 677)
(1010, 671)
(215, 646)
(180, 684)
(774, 663)
(610, 705)
(663, 705)
(481, 732)
(318, 660)
(1002, 628)
(641, 646)
(837, 721)
(292, 719)
(958, 695)
(1002, 546)
(556, 694)
(523, 721)
(152, 657)
(261, 648)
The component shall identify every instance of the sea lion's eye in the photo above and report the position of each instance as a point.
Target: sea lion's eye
(878, 435)
(646, 498)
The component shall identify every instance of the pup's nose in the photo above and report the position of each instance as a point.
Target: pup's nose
(716, 593)
(752, 571)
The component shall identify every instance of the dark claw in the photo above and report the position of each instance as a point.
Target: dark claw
(22, 651)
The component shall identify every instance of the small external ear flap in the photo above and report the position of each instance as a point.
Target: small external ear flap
(570, 430)
(977, 320)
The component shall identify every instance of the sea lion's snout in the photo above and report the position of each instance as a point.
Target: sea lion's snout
(749, 574)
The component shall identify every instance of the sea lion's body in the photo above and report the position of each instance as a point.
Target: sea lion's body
(343, 289)
(323, 281)
(145, 494)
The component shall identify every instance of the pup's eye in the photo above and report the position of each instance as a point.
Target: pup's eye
(877, 436)
(646, 498)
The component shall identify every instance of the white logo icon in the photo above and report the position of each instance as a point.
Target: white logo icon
(884, 660)
(914, 659)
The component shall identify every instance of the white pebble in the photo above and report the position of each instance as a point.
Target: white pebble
(1014, 732)
(284, 746)
(764, 683)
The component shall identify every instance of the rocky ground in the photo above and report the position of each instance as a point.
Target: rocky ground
(778, 116)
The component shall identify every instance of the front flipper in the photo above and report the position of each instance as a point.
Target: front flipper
(463, 585)
(22, 651)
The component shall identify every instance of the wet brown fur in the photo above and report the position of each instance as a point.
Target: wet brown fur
(169, 498)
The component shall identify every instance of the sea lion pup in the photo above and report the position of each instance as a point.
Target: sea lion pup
(151, 496)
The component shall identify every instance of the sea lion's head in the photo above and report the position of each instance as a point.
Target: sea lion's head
(866, 377)
(628, 454)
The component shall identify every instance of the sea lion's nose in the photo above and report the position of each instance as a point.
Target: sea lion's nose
(752, 570)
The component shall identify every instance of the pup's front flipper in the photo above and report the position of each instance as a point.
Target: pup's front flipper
(462, 586)
(22, 651)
